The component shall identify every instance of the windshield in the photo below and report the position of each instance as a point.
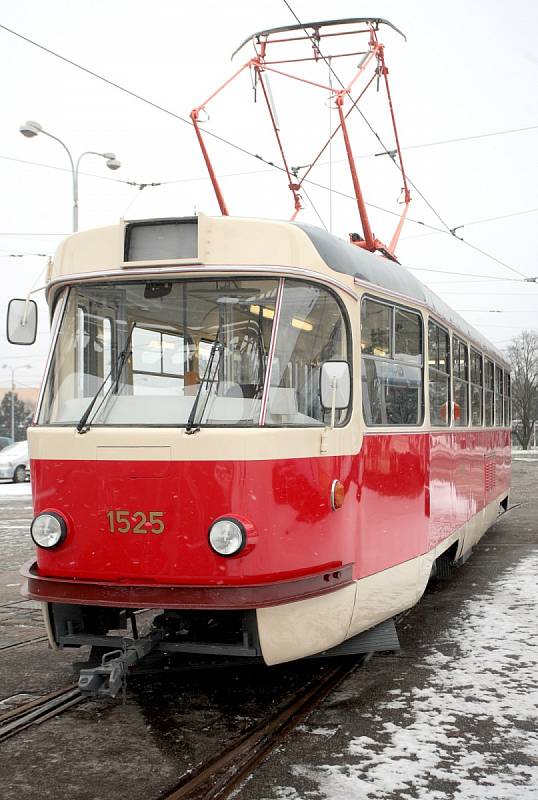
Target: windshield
(169, 330)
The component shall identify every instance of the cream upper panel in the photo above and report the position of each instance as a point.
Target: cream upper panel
(89, 251)
(210, 444)
(221, 240)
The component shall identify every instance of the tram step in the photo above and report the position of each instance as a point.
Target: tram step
(382, 637)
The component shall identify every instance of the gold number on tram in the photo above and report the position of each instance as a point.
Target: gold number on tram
(120, 521)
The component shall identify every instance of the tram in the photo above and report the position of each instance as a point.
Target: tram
(267, 435)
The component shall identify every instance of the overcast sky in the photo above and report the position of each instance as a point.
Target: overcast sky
(469, 69)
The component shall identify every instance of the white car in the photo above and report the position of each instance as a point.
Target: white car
(13, 462)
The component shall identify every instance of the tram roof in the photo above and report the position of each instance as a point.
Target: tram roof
(248, 241)
(376, 270)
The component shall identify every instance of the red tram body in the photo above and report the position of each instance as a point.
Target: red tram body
(420, 454)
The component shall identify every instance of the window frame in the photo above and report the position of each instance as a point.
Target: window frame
(333, 291)
(350, 345)
(456, 338)
(448, 334)
(474, 351)
(394, 306)
(497, 395)
(487, 388)
(507, 398)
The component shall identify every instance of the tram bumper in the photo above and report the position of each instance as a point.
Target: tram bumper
(295, 618)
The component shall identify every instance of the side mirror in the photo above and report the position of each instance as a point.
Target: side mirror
(335, 385)
(21, 321)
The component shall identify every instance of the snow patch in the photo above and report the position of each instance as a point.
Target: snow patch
(470, 730)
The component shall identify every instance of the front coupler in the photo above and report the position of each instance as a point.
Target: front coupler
(107, 679)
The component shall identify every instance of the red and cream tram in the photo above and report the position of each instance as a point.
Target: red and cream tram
(269, 436)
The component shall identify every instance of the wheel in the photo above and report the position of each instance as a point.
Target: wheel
(19, 476)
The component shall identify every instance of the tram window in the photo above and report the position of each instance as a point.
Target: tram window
(439, 374)
(460, 372)
(93, 347)
(171, 336)
(477, 387)
(376, 328)
(498, 396)
(391, 345)
(158, 361)
(391, 393)
(407, 337)
(312, 330)
(507, 414)
(488, 391)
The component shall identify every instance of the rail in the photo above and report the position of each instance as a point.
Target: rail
(38, 710)
(218, 777)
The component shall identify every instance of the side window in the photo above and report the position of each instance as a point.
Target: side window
(312, 329)
(392, 364)
(507, 410)
(488, 392)
(498, 396)
(460, 372)
(477, 387)
(439, 374)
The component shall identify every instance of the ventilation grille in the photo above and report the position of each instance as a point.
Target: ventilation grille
(489, 474)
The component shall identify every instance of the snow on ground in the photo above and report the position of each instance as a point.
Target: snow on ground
(15, 490)
(490, 686)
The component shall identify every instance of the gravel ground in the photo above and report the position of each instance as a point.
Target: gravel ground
(453, 716)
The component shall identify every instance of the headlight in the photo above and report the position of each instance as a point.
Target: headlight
(227, 536)
(48, 530)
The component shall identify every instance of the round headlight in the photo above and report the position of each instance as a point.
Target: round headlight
(227, 537)
(48, 530)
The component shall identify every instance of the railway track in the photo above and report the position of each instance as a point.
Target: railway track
(218, 777)
(13, 645)
(38, 710)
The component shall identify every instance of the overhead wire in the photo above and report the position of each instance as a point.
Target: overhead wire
(131, 93)
(475, 222)
(187, 121)
(391, 154)
(237, 147)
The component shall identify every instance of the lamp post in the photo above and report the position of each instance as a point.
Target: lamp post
(31, 129)
(13, 370)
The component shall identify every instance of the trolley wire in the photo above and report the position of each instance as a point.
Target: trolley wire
(463, 274)
(392, 154)
(131, 93)
(475, 222)
(243, 150)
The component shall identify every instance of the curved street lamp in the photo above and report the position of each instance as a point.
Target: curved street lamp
(32, 128)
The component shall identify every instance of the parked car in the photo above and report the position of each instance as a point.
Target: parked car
(13, 462)
(5, 441)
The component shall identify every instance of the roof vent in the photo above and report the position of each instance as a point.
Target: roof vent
(161, 239)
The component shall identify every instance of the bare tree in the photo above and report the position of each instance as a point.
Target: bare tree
(523, 354)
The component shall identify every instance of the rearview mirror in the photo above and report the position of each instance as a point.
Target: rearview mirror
(21, 321)
(335, 385)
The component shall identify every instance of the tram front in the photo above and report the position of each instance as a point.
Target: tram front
(192, 451)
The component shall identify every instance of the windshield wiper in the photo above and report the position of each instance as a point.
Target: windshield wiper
(83, 425)
(208, 377)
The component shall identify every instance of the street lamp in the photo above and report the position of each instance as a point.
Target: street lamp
(13, 370)
(32, 128)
